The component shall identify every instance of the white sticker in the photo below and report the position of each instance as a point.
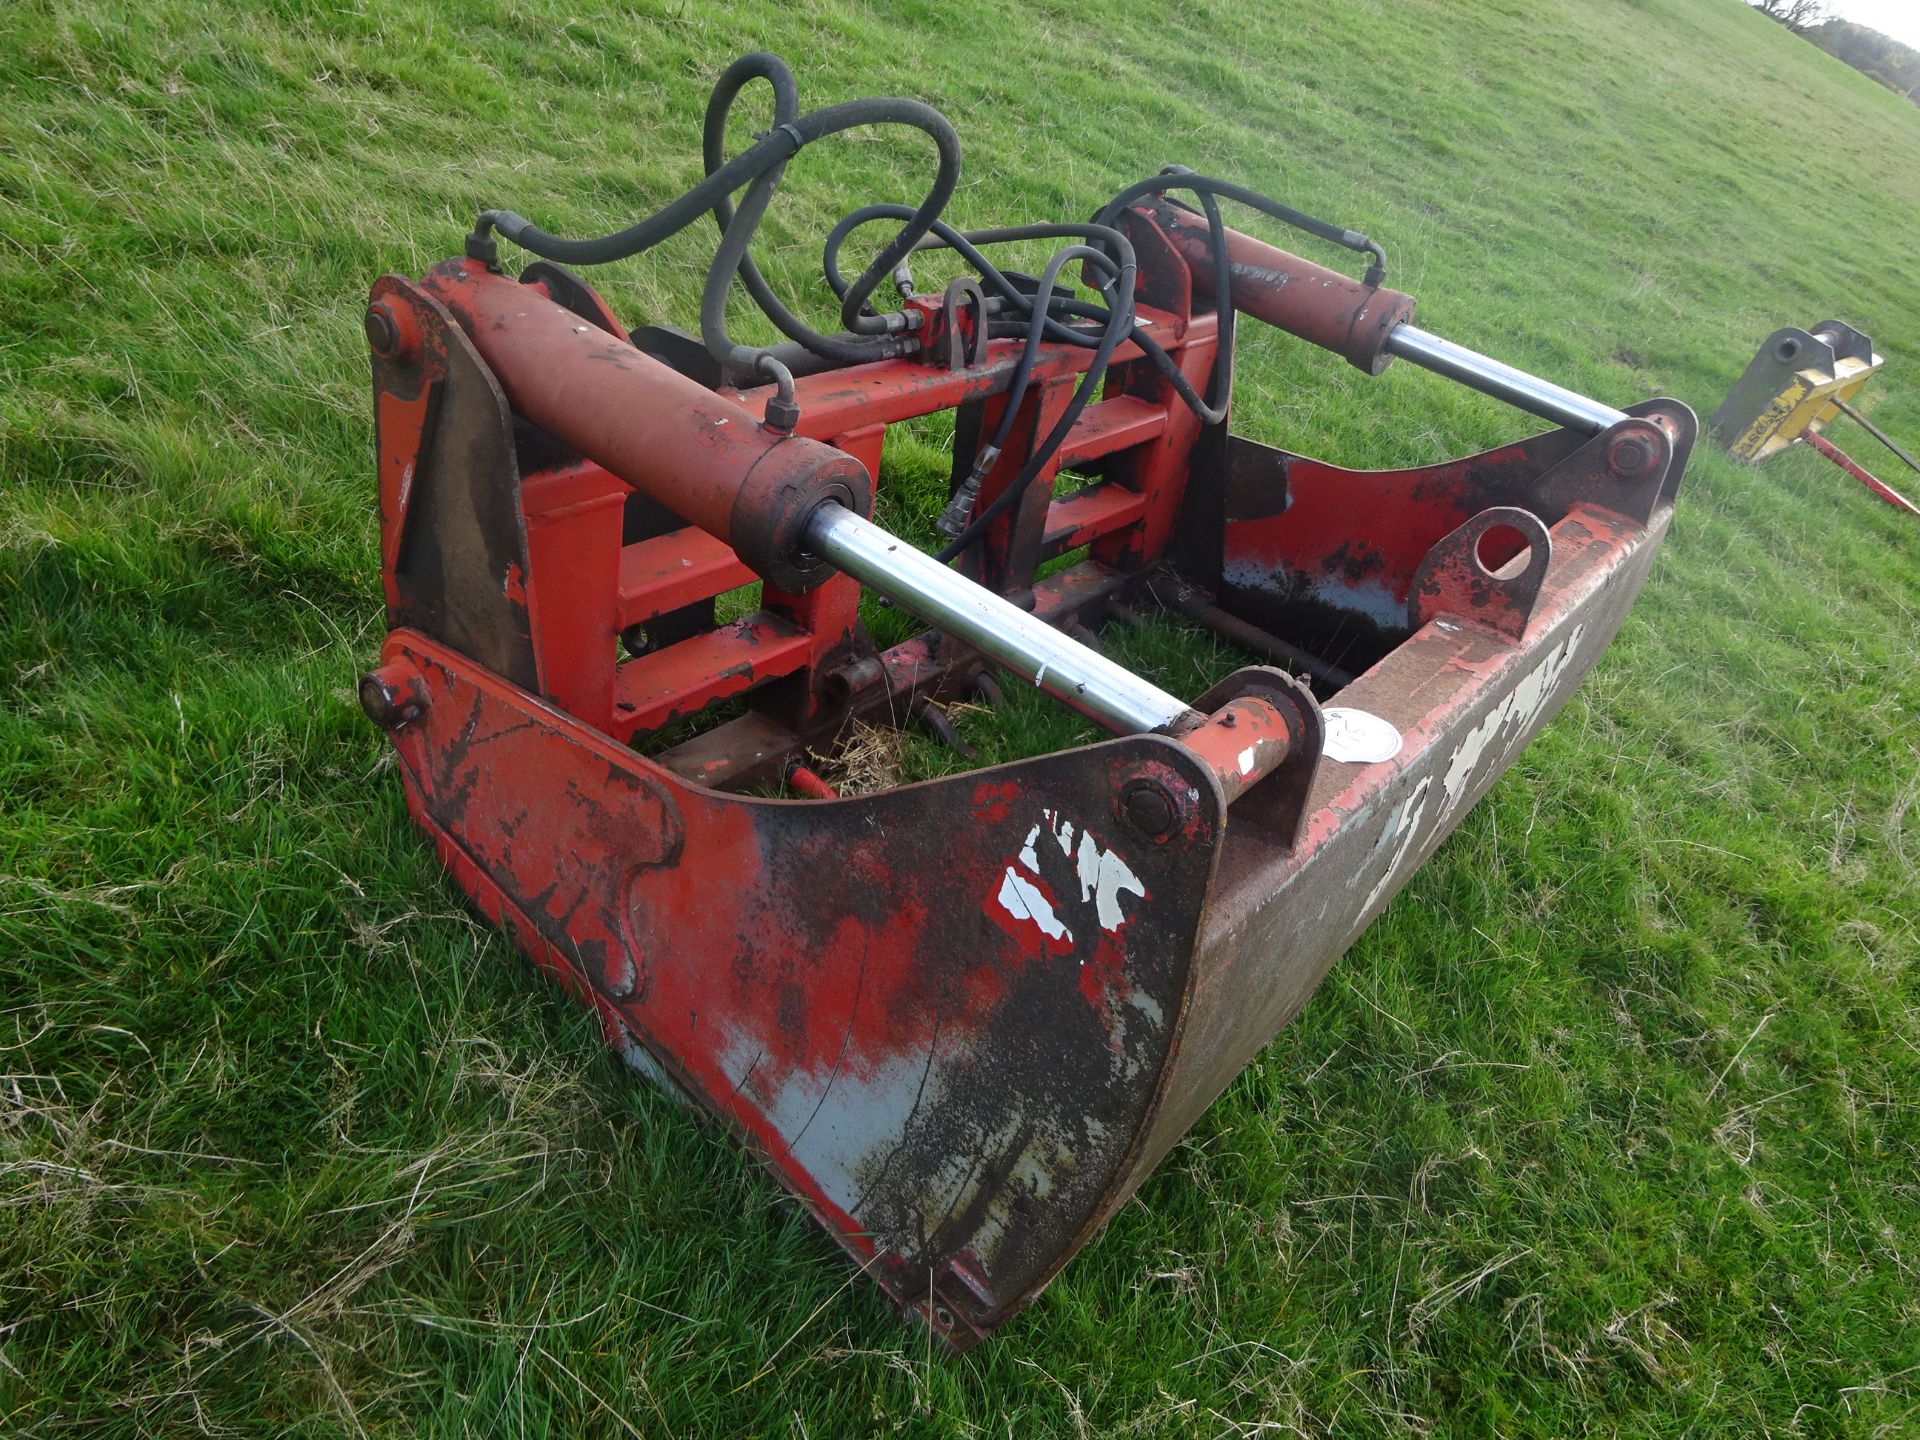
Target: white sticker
(1359, 737)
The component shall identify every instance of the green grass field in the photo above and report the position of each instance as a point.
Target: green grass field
(1611, 1126)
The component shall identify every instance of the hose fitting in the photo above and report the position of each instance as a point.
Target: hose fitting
(783, 411)
(953, 519)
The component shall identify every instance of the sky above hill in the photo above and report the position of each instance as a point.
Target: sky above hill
(1898, 18)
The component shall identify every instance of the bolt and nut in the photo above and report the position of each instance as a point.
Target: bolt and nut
(391, 335)
(1630, 455)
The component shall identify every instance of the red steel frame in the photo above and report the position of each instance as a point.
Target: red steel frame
(961, 1020)
(1859, 472)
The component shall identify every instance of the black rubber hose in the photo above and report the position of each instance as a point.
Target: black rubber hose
(1213, 409)
(965, 244)
(953, 521)
(1163, 362)
(1220, 386)
(668, 221)
(1210, 409)
(944, 236)
(1036, 329)
(924, 117)
(760, 65)
(1119, 324)
(1182, 179)
(777, 148)
(750, 165)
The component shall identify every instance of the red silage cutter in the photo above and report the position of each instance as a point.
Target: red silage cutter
(961, 1020)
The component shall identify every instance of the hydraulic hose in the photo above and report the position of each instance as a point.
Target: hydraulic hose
(1179, 178)
(757, 167)
(1213, 409)
(786, 110)
(966, 245)
(870, 336)
(953, 521)
(1119, 323)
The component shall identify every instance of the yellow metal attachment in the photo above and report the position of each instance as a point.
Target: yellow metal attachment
(1795, 384)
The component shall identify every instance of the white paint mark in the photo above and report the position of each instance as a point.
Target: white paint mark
(1495, 735)
(1359, 737)
(1027, 856)
(1020, 899)
(1246, 761)
(1513, 715)
(406, 490)
(1402, 826)
(1374, 599)
(1149, 1007)
(1102, 874)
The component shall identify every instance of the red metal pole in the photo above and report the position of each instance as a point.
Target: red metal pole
(809, 784)
(1840, 457)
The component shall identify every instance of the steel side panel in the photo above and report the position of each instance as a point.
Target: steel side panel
(940, 1014)
(1467, 702)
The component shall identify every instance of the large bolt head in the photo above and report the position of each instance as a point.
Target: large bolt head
(393, 696)
(1149, 808)
(390, 336)
(1630, 455)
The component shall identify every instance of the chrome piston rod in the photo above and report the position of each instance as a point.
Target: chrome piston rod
(974, 615)
(1503, 382)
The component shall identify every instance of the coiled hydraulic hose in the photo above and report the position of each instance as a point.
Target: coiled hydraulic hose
(713, 140)
(1105, 251)
(757, 167)
(1176, 177)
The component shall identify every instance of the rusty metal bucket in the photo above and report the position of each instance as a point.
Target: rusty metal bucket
(961, 1020)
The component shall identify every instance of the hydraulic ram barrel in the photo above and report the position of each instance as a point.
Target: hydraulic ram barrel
(974, 615)
(700, 455)
(1369, 325)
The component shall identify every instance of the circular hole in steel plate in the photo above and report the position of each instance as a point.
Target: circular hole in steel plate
(1499, 546)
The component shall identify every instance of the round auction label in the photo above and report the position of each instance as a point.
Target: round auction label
(1359, 737)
